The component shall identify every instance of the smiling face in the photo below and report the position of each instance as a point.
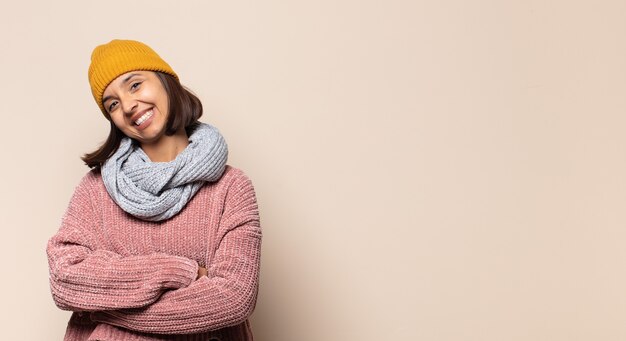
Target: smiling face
(138, 105)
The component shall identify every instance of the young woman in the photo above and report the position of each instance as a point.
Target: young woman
(161, 239)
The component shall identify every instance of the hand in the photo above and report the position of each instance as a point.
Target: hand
(202, 272)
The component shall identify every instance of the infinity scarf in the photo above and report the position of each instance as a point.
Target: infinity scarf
(156, 191)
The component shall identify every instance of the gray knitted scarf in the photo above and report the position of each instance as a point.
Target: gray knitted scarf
(157, 191)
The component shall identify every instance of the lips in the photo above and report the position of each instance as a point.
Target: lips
(146, 115)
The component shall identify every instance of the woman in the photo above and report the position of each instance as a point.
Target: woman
(161, 239)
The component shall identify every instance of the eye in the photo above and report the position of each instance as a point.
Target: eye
(112, 105)
(135, 86)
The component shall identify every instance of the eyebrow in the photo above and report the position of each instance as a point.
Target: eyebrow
(129, 77)
(123, 82)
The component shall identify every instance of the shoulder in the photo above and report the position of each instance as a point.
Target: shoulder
(90, 180)
(90, 184)
(234, 176)
(91, 177)
(234, 185)
(239, 199)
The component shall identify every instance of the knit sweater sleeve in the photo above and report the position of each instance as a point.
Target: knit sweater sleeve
(85, 276)
(227, 296)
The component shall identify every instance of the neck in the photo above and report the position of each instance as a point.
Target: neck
(167, 147)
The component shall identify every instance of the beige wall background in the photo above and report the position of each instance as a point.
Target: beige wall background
(426, 170)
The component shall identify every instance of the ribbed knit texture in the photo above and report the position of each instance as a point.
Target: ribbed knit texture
(115, 58)
(130, 279)
(159, 190)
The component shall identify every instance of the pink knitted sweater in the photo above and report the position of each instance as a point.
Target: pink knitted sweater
(129, 279)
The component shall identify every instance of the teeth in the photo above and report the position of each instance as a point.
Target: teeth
(143, 118)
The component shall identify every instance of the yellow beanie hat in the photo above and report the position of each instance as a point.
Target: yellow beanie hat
(117, 57)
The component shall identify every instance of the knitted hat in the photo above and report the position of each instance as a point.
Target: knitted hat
(117, 57)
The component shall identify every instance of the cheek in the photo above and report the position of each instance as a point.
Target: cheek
(165, 107)
(119, 122)
(162, 96)
(163, 104)
(158, 96)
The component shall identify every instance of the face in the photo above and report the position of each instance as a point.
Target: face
(138, 105)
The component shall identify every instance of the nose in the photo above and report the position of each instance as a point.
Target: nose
(129, 104)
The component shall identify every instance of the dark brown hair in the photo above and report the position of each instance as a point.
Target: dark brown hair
(184, 111)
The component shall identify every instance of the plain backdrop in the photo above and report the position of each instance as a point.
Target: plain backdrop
(426, 170)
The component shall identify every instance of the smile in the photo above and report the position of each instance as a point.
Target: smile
(143, 118)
